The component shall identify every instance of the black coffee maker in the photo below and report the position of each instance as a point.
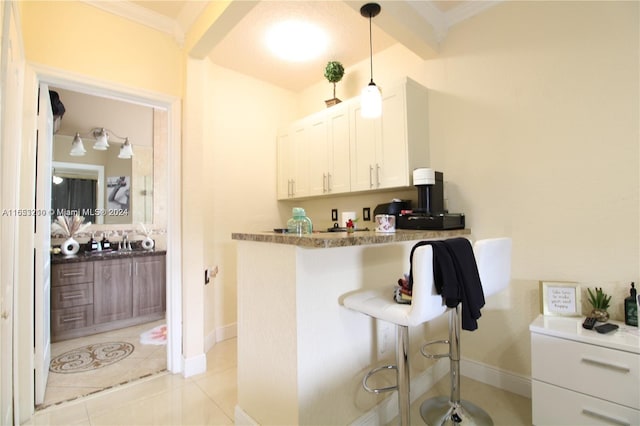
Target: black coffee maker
(430, 213)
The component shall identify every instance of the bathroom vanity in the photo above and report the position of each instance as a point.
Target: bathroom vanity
(301, 354)
(101, 292)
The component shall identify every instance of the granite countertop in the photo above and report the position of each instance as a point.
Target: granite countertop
(103, 255)
(344, 239)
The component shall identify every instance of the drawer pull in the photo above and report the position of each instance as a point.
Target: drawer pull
(605, 417)
(72, 274)
(72, 296)
(606, 364)
(72, 319)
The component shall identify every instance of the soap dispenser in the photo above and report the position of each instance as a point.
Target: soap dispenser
(299, 224)
(631, 308)
(93, 244)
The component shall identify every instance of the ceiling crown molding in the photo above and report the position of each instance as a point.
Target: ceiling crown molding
(142, 16)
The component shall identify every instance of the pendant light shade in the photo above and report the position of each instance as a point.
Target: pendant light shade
(102, 140)
(77, 147)
(125, 150)
(370, 98)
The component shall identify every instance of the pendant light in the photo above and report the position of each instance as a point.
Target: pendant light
(77, 147)
(370, 98)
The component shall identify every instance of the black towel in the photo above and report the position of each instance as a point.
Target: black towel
(456, 277)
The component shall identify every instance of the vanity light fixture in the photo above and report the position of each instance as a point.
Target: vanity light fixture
(370, 98)
(102, 139)
(125, 150)
(77, 148)
(101, 135)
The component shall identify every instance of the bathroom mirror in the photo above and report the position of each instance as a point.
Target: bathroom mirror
(98, 185)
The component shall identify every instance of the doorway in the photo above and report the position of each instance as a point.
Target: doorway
(171, 152)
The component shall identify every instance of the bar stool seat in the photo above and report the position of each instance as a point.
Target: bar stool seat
(426, 305)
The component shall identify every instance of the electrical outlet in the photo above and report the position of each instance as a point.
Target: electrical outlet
(334, 214)
(366, 213)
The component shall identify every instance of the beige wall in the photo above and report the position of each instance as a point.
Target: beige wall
(533, 118)
(239, 177)
(77, 37)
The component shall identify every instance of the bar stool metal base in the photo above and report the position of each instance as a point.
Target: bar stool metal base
(440, 411)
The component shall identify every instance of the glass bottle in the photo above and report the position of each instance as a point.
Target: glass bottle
(631, 308)
(299, 224)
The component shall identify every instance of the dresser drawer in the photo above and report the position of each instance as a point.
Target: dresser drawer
(553, 405)
(71, 273)
(71, 318)
(71, 295)
(604, 373)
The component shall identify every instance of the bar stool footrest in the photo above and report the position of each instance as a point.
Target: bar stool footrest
(377, 370)
(426, 354)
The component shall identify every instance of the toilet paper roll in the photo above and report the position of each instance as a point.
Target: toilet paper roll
(345, 218)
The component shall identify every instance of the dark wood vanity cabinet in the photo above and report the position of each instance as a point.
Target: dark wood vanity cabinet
(93, 296)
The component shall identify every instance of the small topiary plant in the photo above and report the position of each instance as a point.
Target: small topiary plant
(333, 72)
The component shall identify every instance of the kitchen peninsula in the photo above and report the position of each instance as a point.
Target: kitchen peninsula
(301, 355)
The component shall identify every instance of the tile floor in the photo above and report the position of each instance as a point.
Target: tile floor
(145, 360)
(210, 398)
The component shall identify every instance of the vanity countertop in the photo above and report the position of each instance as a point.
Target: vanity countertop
(103, 255)
(344, 239)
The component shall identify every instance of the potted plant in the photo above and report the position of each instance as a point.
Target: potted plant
(600, 303)
(333, 72)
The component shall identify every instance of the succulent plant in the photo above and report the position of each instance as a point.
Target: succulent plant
(599, 299)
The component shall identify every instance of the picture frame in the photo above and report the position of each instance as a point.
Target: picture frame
(560, 298)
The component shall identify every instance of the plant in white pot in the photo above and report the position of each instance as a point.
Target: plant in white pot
(333, 72)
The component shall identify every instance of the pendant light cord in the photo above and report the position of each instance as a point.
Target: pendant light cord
(370, 48)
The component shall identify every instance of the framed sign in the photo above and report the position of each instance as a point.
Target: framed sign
(560, 298)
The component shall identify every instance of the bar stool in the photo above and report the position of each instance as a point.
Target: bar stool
(426, 305)
(493, 257)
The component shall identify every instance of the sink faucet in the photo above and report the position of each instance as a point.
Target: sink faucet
(126, 245)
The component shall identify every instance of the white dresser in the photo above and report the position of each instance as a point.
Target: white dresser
(582, 377)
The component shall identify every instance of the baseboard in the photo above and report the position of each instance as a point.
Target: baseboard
(220, 334)
(387, 410)
(194, 365)
(511, 382)
(242, 418)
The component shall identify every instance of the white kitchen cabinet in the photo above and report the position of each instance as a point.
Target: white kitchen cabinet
(329, 151)
(337, 151)
(582, 377)
(384, 151)
(293, 160)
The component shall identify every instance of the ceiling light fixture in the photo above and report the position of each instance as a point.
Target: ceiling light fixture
(370, 98)
(296, 41)
(101, 135)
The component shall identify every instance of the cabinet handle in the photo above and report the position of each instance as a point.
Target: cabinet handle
(370, 176)
(605, 417)
(130, 270)
(72, 296)
(606, 364)
(290, 188)
(328, 182)
(293, 187)
(72, 274)
(324, 182)
(72, 319)
(377, 175)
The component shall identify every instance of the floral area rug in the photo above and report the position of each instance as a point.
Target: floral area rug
(91, 357)
(155, 336)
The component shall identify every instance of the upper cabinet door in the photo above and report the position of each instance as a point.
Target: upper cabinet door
(317, 148)
(338, 176)
(365, 134)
